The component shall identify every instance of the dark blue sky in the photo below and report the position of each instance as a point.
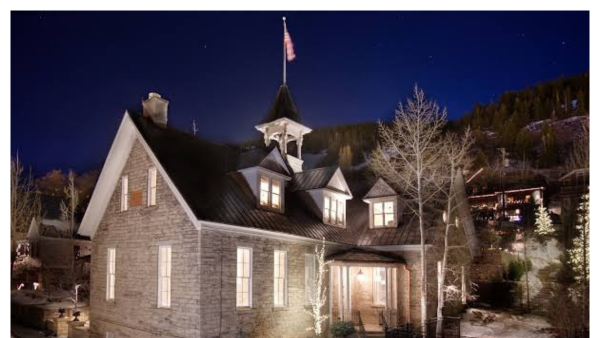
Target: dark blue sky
(74, 74)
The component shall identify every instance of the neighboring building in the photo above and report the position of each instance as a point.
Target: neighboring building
(50, 240)
(573, 186)
(197, 239)
(506, 203)
(53, 247)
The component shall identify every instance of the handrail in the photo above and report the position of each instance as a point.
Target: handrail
(361, 327)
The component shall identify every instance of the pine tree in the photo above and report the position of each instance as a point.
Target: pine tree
(524, 144)
(548, 154)
(579, 255)
(543, 223)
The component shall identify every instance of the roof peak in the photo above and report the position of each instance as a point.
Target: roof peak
(282, 106)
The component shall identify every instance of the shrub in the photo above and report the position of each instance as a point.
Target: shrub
(516, 270)
(342, 329)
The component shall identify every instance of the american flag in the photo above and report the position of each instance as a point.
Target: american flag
(289, 45)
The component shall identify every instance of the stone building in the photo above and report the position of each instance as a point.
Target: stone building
(197, 239)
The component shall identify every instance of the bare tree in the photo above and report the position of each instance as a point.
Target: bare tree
(579, 157)
(318, 297)
(456, 157)
(69, 208)
(24, 202)
(408, 157)
(75, 278)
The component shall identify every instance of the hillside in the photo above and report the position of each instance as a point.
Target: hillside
(536, 125)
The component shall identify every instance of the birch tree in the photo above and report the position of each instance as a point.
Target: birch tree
(408, 156)
(455, 157)
(318, 298)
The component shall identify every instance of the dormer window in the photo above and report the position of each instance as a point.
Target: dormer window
(384, 214)
(333, 210)
(270, 193)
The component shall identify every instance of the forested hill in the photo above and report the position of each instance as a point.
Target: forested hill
(558, 99)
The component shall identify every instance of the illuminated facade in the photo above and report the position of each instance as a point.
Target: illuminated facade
(196, 239)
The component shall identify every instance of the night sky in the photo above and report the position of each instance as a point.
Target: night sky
(74, 74)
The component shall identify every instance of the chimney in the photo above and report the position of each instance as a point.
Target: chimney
(156, 108)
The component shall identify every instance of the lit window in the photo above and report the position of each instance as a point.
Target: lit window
(264, 191)
(270, 193)
(244, 278)
(124, 193)
(383, 214)
(310, 267)
(164, 276)
(275, 194)
(110, 273)
(280, 278)
(379, 286)
(151, 186)
(333, 211)
(109, 334)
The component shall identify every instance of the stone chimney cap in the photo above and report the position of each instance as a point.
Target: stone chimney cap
(153, 94)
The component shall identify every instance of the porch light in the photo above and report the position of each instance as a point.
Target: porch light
(361, 276)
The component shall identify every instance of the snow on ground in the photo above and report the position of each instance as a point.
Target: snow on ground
(505, 325)
(46, 300)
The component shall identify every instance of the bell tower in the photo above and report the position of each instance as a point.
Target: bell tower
(283, 126)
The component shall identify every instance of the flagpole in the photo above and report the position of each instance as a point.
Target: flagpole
(284, 56)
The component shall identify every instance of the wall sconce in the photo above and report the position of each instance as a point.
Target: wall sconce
(361, 276)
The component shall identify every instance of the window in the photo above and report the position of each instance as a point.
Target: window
(110, 273)
(275, 194)
(164, 276)
(270, 193)
(109, 334)
(124, 193)
(333, 211)
(310, 265)
(280, 278)
(383, 214)
(379, 286)
(151, 186)
(244, 278)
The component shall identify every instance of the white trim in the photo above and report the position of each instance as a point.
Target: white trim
(160, 302)
(250, 277)
(110, 286)
(285, 278)
(109, 176)
(241, 230)
(282, 176)
(152, 181)
(405, 247)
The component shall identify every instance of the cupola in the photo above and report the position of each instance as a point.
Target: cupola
(282, 125)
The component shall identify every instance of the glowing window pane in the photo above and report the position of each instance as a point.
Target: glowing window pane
(377, 208)
(378, 220)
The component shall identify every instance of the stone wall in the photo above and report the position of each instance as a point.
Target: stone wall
(219, 315)
(136, 234)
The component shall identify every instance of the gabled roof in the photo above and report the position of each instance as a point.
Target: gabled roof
(380, 189)
(261, 157)
(320, 178)
(282, 106)
(204, 179)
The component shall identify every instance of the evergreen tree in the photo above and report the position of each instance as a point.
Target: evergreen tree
(579, 255)
(509, 135)
(548, 153)
(543, 223)
(500, 119)
(524, 144)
